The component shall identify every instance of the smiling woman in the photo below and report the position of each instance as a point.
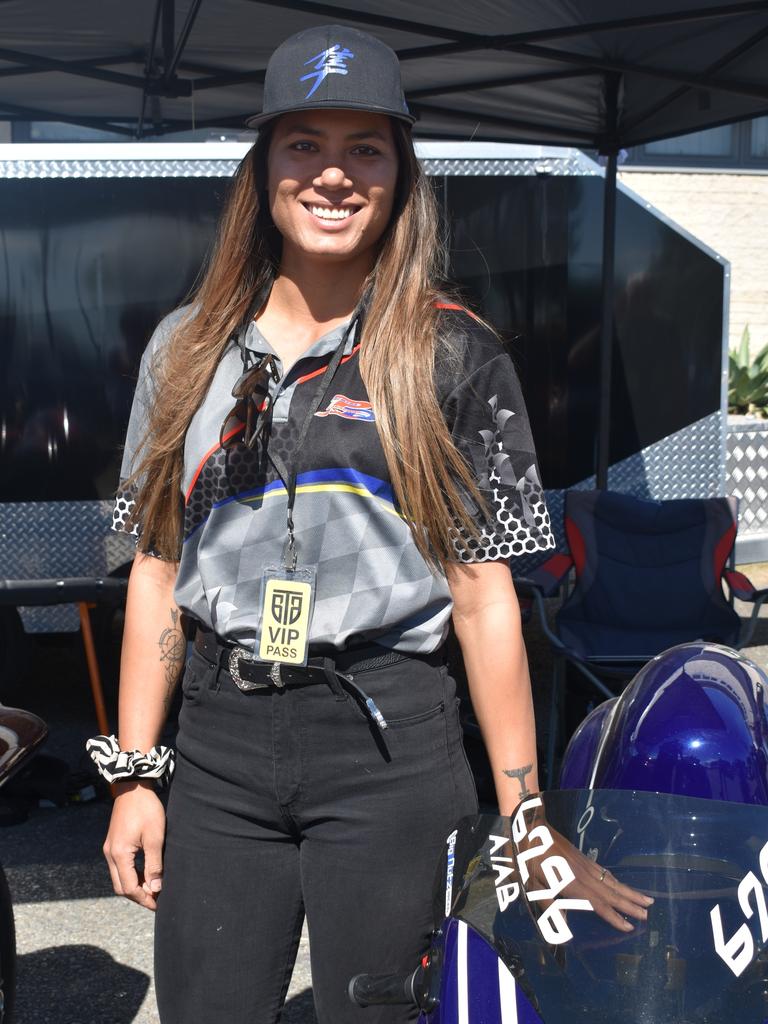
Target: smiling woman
(367, 485)
(331, 179)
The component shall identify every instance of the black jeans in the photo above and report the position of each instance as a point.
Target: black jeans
(286, 803)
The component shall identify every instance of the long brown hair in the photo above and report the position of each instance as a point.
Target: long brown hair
(397, 359)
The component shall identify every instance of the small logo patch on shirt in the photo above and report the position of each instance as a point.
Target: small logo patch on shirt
(340, 405)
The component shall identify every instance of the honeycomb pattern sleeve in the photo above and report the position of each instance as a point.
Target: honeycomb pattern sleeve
(488, 422)
(137, 426)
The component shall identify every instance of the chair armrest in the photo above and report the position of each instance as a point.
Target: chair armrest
(548, 577)
(96, 590)
(742, 587)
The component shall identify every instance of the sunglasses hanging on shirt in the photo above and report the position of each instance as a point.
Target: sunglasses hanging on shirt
(252, 401)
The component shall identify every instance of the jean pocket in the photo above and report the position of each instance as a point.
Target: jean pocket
(414, 719)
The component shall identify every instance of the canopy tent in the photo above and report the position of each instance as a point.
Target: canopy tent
(545, 71)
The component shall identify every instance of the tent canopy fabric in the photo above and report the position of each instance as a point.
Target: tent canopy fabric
(589, 74)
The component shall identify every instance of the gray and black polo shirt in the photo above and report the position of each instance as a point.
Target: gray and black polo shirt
(372, 583)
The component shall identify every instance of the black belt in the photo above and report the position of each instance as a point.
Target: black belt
(336, 668)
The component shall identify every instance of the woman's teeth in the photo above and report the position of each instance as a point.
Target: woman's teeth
(332, 212)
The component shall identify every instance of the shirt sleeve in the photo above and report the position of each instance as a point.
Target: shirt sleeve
(137, 427)
(488, 422)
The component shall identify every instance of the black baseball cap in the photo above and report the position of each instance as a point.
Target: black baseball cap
(332, 67)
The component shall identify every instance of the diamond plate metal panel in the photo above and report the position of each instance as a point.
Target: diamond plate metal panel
(117, 168)
(41, 540)
(569, 166)
(686, 464)
(225, 168)
(747, 478)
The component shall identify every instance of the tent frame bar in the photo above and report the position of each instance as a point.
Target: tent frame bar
(675, 95)
(168, 84)
(134, 57)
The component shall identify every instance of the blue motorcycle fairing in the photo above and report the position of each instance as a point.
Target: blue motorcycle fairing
(693, 722)
(579, 758)
(476, 985)
(700, 958)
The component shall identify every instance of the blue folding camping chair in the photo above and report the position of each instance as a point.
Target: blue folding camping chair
(646, 575)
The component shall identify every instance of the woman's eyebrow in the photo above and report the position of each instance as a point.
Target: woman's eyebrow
(303, 129)
(369, 133)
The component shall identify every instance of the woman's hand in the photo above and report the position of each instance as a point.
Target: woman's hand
(137, 824)
(610, 898)
(557, 877)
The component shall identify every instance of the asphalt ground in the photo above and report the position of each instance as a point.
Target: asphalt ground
(85, 955)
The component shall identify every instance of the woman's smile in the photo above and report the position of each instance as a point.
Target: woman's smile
(330, 216)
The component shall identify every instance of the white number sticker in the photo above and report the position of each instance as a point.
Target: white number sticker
(554, 870)
(738, 951)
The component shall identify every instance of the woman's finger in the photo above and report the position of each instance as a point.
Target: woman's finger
(612, 917)
(153, 862)
(627, 896)
(125, 863)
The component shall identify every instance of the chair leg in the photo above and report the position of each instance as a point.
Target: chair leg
(93, 668)
(555, 714)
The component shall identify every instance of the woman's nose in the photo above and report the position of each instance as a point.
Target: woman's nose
(333, 177)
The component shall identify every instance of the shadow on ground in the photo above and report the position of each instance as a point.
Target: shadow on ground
(56, 986)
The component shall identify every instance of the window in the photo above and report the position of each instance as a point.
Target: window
(713, 142)
(728, 147)
(759, 138)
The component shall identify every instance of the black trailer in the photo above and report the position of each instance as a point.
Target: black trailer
(98, 242)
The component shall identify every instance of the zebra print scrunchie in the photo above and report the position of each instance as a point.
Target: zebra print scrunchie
(116, 765)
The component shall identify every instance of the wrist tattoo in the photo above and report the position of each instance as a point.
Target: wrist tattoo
(172, 650)
(519, 774)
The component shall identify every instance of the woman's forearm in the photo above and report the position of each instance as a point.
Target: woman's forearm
(153, 653)
(487, 622)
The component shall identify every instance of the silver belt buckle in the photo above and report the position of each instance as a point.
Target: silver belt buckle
(274, 675)
(236, 655)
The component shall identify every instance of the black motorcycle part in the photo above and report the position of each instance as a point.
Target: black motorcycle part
(393, 989)
(378, 989)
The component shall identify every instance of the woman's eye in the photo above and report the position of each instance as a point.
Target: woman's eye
(365, 151)
(303, 146)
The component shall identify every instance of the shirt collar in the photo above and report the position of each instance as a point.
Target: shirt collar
(256, 342)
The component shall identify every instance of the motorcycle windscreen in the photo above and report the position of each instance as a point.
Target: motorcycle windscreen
(699, 958)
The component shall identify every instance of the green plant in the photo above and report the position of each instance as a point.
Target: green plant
(748, 379)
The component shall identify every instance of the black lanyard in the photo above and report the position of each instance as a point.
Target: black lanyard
(289, 478)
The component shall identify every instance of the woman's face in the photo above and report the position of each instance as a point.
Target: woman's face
(331, 182)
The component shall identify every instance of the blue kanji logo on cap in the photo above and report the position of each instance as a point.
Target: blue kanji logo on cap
(328, 62)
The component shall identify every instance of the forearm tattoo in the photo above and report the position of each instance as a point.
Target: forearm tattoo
(519, 774)
(173, 647)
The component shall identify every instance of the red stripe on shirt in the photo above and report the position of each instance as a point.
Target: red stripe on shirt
(454, 305)
(316, 373)
(208, 454)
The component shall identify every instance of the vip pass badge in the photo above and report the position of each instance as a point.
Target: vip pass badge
(287, 596)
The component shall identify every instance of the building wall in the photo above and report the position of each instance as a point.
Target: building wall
(729, 212)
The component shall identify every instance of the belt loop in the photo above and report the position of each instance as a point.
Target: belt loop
(329, 668)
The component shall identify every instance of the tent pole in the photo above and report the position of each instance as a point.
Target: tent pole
(606, 321)
(610, 148)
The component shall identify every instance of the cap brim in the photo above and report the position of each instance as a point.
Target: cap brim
(258, 120)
